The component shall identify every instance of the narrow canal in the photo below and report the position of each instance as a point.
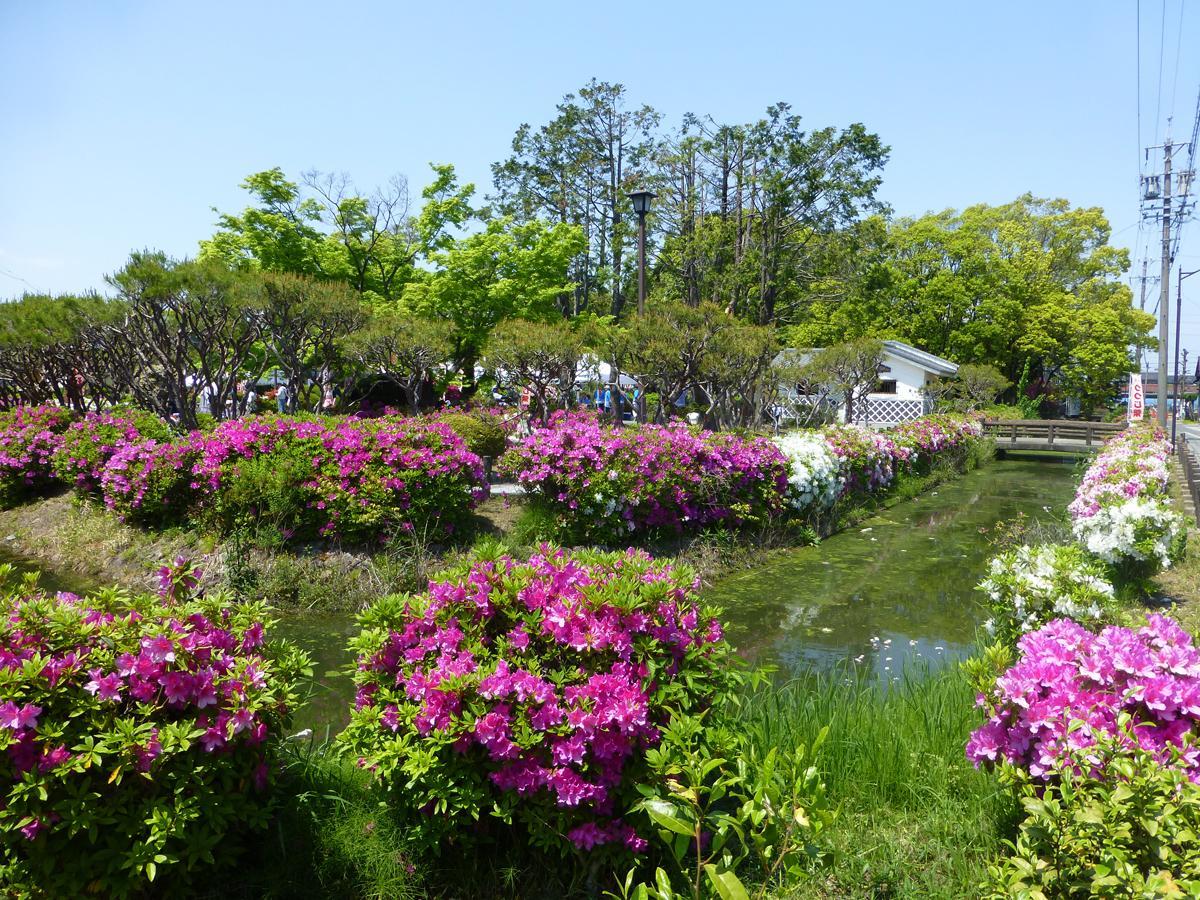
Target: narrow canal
(897, 589)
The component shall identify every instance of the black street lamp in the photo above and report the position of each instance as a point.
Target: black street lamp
(641, 205)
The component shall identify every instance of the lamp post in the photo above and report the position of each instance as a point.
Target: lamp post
(1178, 310)
(641, 205)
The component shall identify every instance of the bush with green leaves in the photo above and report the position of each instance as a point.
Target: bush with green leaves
(86, 446)
(724, 809)
(482, 430)
(519, 700)
(1127, 827)
(137, 735)
(29, 437)
(1028, 587)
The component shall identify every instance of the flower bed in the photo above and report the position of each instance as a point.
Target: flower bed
(1121, 512)
(840, 460)
(603, 483)
(86, 446)
(930, 437)
(137, 736)
(352, 478)
(1071, 685)
(529, 691)
(29, 437)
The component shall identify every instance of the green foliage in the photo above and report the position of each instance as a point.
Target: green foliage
(724, 809)
(1128, 829)
(508, 270)
(104, 793)
(847, 372)
(482, 430)
(539, 356)
(324, 229)
(403, 348)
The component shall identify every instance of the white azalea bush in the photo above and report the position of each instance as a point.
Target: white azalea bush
(1122, 512)
(1029, 587)
(814, 476)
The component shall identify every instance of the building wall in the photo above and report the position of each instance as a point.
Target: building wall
(909, 378)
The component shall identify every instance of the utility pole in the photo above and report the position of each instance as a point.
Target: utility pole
(1142, 307)
(1164, 295)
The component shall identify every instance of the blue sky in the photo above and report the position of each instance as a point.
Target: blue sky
(125, 122)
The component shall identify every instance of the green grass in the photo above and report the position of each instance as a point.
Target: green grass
(917, 820)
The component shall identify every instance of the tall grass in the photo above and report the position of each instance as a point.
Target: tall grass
(917, 820)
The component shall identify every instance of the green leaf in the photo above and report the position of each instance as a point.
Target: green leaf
(726, 884)
(666, 815)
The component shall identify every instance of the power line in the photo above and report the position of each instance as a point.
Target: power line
(1162, 39)
(1178, 53)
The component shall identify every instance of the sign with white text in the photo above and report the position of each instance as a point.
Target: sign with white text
(1137, 398)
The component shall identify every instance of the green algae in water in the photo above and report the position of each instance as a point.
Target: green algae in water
(898, 588)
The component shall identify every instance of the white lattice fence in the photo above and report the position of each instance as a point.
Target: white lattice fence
(892, 412)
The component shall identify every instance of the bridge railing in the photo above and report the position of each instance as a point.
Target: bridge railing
(1049, 433)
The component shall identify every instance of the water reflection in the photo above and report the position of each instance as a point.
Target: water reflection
(898, 588)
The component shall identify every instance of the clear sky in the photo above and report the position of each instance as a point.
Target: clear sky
(124, 123)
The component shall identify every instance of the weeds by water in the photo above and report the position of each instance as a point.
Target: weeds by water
(917, 820)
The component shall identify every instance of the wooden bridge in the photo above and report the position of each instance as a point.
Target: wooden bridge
(1057, 435)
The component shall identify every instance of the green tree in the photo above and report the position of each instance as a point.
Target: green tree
(541, 356)
(508, 270)
(402, 348)
(323, 227)
(848, 371)
(301, 322)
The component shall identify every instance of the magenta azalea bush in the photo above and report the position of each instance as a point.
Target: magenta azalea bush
(29, 437)
(357, 479)
(932, 437)
(136, 735)
(527, 692)
(150, 482)
(869, 460)
(1071, 686)
(604, 483)
(86, 446)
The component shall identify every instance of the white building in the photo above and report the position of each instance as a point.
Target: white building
(900, 394)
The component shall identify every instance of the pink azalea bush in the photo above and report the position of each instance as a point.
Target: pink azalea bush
(29, 438)
(869, 460)
(86, 446)
(150, 482)
(605, 483)
(354, 479)
(1122, 511)
(527, 692)
(1072, 686)
(936, 436)
(136, 735)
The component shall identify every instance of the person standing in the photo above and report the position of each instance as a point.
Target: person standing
(281, 398)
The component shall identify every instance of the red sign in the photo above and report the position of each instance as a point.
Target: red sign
(1137, 398)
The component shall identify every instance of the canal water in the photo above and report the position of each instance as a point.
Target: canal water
(897, 589)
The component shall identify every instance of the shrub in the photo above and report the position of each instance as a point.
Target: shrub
(932, 437)
(1071, 687)
(604, 483)
(1122, 512)
(138, 736)
(482, 430)
(869, 460)
(1128, 833)
(528, 692)
(29, 436)
(1028, 587)
(150, 482)
(353, 479)
(87, 445)
(815, 475)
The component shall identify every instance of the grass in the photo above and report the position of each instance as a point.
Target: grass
(917, 819)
